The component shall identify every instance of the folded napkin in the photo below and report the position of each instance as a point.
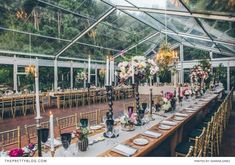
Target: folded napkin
(181, 114)
(124, 150)
(171, 123)
(152, 134)
(191, 109)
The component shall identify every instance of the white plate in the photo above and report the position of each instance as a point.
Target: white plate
(164, 127)
(140, 141)
(190, 111)
(181, 114)
(177, 118)
(96, 127)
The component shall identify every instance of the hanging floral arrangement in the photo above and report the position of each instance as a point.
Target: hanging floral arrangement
(102, 73)
(166, 58)
(82, 76)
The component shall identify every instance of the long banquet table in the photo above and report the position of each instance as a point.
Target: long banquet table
(102, 148)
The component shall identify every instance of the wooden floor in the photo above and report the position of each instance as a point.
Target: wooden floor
(10, 123)
(227, 148)
(228, 143)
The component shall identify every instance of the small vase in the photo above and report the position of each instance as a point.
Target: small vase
(83, 144)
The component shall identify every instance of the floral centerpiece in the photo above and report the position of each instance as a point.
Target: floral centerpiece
(169, 102)
(125, 70)
(128, 122)
(187, 92)
(82, 135)
(200, 75)
(27, 151)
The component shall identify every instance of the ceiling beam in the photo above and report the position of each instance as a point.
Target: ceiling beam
(133, 46)
(208, 49)
(85, 31)
(200, 24)
(198, 37)
(178, 13)
(45, 56)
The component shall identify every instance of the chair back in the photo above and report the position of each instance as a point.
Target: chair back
(91, 116)
(65, 123)
(199, 143)
(101, 114)
(190, 152)
(31, 130)
(10, 138)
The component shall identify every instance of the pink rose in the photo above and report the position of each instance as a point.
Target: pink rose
(18, 152)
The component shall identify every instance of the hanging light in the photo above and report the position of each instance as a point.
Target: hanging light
(30, 69)
(165, 56)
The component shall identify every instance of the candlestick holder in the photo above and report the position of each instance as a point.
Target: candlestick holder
(137, 99)
(38, 125)
(150, 115)
(89, 94)
(109, 114)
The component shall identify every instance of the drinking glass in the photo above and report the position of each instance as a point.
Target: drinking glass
(116, 132)
(109, 134)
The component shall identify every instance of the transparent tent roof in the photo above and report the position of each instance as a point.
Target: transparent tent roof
(69, 28)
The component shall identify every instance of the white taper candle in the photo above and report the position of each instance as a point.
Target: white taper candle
(52, 132)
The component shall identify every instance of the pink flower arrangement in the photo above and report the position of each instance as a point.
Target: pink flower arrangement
(18, 152)
(169, 95)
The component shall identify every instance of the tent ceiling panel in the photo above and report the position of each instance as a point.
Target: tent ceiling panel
(157, 4)
(225, 7)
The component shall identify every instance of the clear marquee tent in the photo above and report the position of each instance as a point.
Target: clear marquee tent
(60, 33)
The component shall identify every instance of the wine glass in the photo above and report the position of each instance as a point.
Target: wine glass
(66, 140)
(116, 133)
(104, 118)
(44, 136)
(109, 134)
(144, 106)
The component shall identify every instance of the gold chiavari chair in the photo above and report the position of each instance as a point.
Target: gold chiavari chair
(7, 106)
(18, 104)
(31, 130)
(66, 123)
(29, 104)
(101, 114)
(10, 138)
(91, 97)
(91, 116)
(190, 152)
(183, 148)
(79, 99)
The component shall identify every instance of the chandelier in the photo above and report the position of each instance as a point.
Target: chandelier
(166, 57)
(30, 69)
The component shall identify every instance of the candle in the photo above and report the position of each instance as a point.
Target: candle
(89, 69)
(111, 78)
(37, 96)
(107, 71)
(133, 71)
(52, 132)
